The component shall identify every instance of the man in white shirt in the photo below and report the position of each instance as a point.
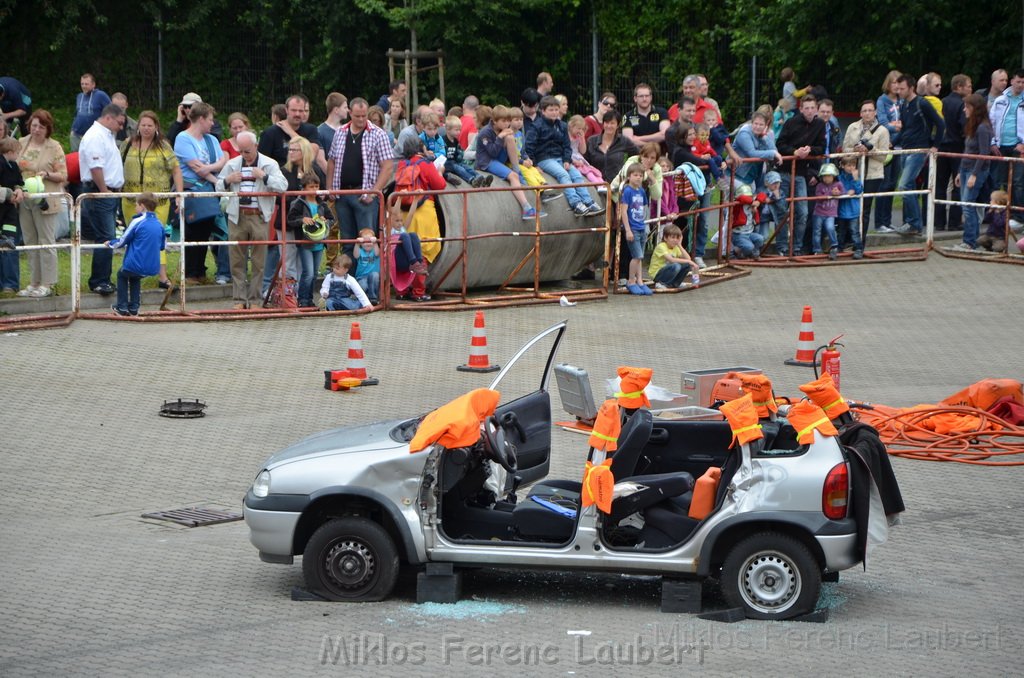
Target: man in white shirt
(102, 172)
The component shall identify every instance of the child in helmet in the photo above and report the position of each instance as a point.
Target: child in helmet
(746, 215)
(774, 209)
(309, 220)
(826, 209)
(340, 291)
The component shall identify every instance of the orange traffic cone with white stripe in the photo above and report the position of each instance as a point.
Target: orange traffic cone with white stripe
(356, 366)
(805, 342)
(478, 360)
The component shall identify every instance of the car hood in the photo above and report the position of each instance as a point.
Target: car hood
(345, 440)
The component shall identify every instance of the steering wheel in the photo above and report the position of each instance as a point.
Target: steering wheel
(497, 448)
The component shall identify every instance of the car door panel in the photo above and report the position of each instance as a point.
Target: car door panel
(534, 454)
(690, 446)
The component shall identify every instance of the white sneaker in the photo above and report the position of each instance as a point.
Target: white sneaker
(885, 229)
(623, 282)
(660, 286)
(907, 228)
(962, 247)
(39, 292)
(700, 262)
(27, 292)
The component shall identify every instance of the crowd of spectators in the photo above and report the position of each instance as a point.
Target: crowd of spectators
(778, 154)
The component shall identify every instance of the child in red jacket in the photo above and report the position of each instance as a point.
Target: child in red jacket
(746, 242)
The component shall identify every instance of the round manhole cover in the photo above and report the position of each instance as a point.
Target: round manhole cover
(183, 409)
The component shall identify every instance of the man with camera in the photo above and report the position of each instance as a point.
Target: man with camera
(249, 215)
(182, 122)
(870, 138)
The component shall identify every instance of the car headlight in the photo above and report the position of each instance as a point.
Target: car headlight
(261, 486)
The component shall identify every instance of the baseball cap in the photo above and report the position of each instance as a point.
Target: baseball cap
(191, 98)
(772, 178)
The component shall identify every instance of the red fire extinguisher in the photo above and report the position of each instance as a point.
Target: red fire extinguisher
(830, 360)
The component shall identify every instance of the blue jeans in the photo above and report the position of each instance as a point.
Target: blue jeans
(371, 285)
(971, 214)
(460, 170)
(98, 218)
(129, 291)
(817, 222)
(309, 265)
(798, 190)
(572, 175)
(850, 229)
(883, 205)
(1000, 173)
(354, 216)
(408, 251)
(10, 271)
(343, 304)
(912, 166)
(672, 274)
(748, 244)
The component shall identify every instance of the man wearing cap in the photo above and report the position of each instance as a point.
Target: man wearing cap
(182, 122)
(15, 103)
(249, 216)
(102, 172)
(88, 105)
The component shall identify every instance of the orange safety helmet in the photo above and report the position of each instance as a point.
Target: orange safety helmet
(631, 388)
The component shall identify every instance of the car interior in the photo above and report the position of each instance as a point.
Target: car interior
(660, 457)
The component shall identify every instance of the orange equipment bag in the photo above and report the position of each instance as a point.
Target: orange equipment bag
(598, 485)
(704, 492)
(824, 394)
(760, 388)
(607, 426)
(631, 387)
(805, 416)
(983, 394)
(742, 417)
(456, 424)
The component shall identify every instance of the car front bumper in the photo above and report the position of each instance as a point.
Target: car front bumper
(272, 532)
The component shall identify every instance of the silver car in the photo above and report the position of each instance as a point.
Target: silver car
(355, 504)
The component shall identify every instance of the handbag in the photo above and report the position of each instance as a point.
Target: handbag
(200, 209)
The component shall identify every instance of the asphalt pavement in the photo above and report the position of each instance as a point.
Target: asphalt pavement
(91, 588)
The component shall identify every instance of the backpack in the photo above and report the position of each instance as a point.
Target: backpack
(690, 182)
(407, 179)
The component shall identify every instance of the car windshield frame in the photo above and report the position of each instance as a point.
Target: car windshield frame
(560, 328)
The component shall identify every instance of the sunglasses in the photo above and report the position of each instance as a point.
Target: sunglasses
(607, 103)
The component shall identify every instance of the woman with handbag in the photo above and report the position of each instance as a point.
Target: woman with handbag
(41, 156)
(201, 158)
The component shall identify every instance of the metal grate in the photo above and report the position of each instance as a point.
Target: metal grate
(195, 516)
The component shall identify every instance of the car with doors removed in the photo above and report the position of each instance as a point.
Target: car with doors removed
(356, 503)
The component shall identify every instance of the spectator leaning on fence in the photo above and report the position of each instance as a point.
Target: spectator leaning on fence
(1007, 115)
(102, 172)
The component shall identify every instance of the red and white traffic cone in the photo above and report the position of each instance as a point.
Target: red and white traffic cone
(478, 360)
(805, 342)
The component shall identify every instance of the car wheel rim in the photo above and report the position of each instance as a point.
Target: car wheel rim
(350, 566)
(769, 582)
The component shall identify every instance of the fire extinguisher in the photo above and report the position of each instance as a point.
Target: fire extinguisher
(830, 360)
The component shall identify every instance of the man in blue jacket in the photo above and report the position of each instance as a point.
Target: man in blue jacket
(923, 128)
(88, 106)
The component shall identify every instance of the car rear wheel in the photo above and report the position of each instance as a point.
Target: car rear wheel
(771, 576)
(350, 559)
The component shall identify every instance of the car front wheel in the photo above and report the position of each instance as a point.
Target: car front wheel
(771, 576)
(350, 560)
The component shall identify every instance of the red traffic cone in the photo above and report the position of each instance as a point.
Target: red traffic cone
(478, 360)
(355, 353)
(805, 342)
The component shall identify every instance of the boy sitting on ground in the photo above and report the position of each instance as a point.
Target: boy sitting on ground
(670, 263)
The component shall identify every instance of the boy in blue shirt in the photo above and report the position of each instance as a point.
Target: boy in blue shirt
(849, 210)
(632, 209)
(143, 240)
(547, 142)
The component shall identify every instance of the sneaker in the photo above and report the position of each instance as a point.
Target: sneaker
(104, 288)
(27, 292)
(422, 297)
(962, 247)
(602, 189)
(623, 282)
(907, 229)
(164, 284)
(580, 210)
(488, 180)
(833, 253)
(700, 262)
(222, 280)
(549, 195)
(453, 180)
(858, 254)
(531, 213)
(40, 292)
(119, 311)
(660, 286)
(478, 181)
(885, 229)
(593, 209)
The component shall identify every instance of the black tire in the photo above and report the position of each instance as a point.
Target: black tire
(350, 560)
(771, 576)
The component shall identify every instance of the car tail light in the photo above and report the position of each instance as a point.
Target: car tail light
(835, 493)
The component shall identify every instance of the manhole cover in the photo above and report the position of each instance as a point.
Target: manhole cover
(195, 516)
(183, 409)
